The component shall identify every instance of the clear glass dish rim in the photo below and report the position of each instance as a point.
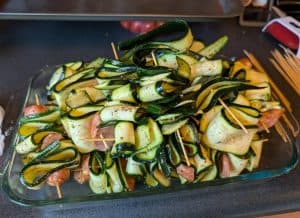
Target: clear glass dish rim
(252, 176)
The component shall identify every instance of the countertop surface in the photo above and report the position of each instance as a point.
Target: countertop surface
(27, 46)
(117, 9)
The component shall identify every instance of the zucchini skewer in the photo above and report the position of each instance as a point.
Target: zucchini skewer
(58, 190)
(177, 132)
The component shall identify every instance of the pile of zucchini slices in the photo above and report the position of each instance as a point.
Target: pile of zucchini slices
(153, 117)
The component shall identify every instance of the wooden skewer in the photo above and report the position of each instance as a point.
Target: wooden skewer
(114, 50)
(290, 71)
(58, 190)
(37, 99)
(183, 148)
(154, 58)
(265, 127)
(233, 116)
(99, 139)
(104, 141)
(286, 77)
(290, 53)
(295, 130)
(281, 132)
(289, 67)
(258, 66)
(265, 140)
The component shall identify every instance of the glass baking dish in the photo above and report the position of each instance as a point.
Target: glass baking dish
(278, 158)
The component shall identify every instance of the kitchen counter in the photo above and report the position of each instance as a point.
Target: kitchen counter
(27, 46)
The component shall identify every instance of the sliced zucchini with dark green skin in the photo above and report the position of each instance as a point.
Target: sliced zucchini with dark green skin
(114, 178)
(222, 136)
(75, 65)
(149, 180)
(212, 49)
(197, 46)
(156, 91)
(170, 128)
(77, 98)
(182, 43)
(79, 130)
(106, 84)
(80, 112)
(56, 76)
(167, 58)
(248, 120)
(96, 63)
(154, 109)
(184, 69)
(173, 154)
(50, 115)
(60, 86)
(33, 141)
(209, 97)
(148, 139)
(98, 179)
(161, 178)
(208, 117)
(211, 85)
(169, 118)
(262, 93)
(210, 174)
(191, 149)
(43, 154)
(61, 96)
(94, 94)
(30, 127)
(189, 133)
(59, 74)
(128, 72)
(35, 173)
(134, 168)
(147, 80)
(241, 74)
(121, 113)
(256, 151)
(238, 70)
(162, 161)
(124, 140)
(200, 164)
(125, 93)
(206, 67)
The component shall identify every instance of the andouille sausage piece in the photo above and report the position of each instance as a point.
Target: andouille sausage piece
(81, 174)
(269, 118)
(51, 138)
(59, 176)
(225, 166)
(34, 109)
(186, 172)
(105, 132)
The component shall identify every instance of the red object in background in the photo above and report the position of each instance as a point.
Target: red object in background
(283, 35)
(140, 26)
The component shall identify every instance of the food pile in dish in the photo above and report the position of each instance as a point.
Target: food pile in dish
(166, 111)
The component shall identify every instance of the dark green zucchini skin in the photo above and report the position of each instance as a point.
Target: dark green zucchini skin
(165, 29)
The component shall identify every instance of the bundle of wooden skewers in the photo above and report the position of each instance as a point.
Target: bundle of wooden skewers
(288, 65)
